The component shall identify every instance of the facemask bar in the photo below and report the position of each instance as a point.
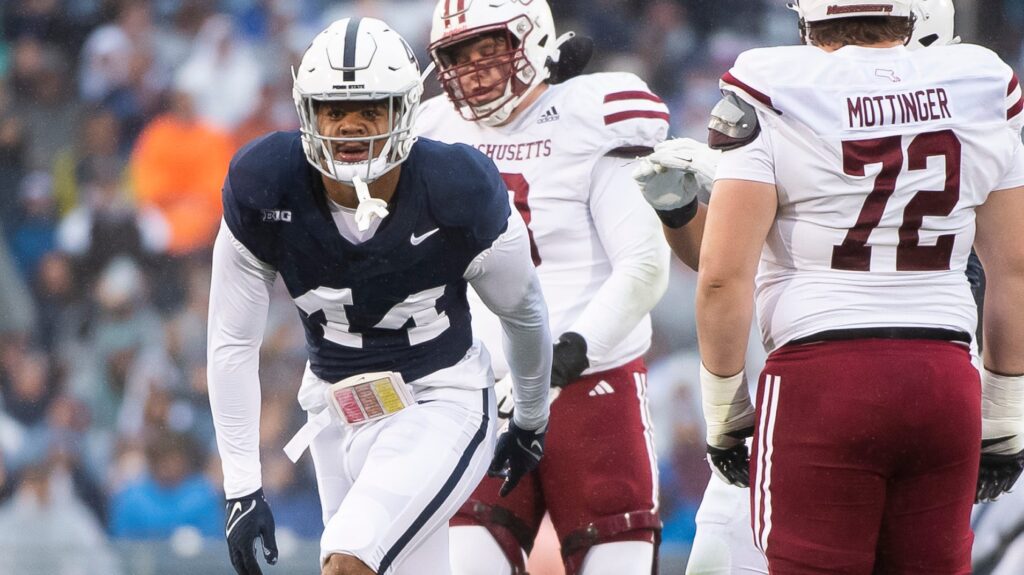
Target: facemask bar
(517, 80)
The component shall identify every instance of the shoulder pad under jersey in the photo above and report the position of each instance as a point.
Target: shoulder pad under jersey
(733, 123)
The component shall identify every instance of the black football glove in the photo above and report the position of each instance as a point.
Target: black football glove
(518, 452)
(249, 517)
(569, 359)
(997, 474)
(732, 465)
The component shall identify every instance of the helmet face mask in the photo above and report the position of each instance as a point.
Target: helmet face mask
(487, 89)
(358, 60)
(470, 82)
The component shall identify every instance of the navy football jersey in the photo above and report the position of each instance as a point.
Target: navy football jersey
(396, 302)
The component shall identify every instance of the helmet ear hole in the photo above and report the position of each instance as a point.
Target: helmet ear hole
(928, 40)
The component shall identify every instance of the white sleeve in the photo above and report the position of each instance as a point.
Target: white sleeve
(506, 281)
(631, 235)
(239, 299)
(1014, 176)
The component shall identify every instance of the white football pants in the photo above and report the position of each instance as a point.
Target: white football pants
(388, 488)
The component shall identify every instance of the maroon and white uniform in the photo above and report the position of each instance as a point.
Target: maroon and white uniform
(880, 157)
(602, 264)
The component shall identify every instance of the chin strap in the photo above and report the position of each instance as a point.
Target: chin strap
(368, 207)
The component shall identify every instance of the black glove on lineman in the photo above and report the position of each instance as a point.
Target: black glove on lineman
(997, 474)
(733, 464)
(249, 517)
(518, 452)
(569, 359)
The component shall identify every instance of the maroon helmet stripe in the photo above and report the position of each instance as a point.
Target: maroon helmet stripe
(728, 78)
(1014, 82)
(631, 95)
(462, 11)
(633, 114)
(447, 12)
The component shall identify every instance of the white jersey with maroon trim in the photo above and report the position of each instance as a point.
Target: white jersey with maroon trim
(552, 157)
(880, 157)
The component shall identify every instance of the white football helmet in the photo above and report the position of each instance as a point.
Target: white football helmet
(819, 10)
(359, 59)
(530, 32)
(933, 25)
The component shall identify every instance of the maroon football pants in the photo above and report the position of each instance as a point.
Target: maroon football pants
(865, 457)
(598, 463)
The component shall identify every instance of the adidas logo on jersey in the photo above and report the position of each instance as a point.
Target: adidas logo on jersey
(549, 116)
(602, 388)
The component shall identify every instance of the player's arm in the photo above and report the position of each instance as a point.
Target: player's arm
(739, 217)
(1002, 404)
(741, 211)
(506, 281)
(239, 299)
(631, 237)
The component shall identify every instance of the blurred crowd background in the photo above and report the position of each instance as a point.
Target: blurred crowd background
(117, 121)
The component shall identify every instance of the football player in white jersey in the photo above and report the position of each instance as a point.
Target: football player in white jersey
(854, 173)
(376, 240)
(566, 151)
(723, 544)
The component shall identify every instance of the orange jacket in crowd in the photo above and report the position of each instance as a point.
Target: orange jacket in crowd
(178, 167)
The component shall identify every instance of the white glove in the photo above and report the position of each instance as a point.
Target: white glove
(678, 171)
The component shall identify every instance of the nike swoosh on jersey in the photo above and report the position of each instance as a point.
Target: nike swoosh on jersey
(235, 519)
(417, 240)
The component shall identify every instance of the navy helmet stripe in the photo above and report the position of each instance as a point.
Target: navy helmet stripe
(441, 495)
(349, 58)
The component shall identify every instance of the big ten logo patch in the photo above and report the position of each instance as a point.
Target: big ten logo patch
(277, 215)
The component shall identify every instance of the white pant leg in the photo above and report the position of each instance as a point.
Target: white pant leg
(724, 543)
(619, 558)
(475, 552)
(387, 486)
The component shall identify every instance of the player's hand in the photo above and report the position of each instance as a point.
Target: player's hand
(675, 175)
(729, 416)
(997, 474)
(1002, 434)
(569, 359)
(732, 465)
(249, 517)
(518, 452)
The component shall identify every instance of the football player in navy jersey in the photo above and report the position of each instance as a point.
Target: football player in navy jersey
(376, 235)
